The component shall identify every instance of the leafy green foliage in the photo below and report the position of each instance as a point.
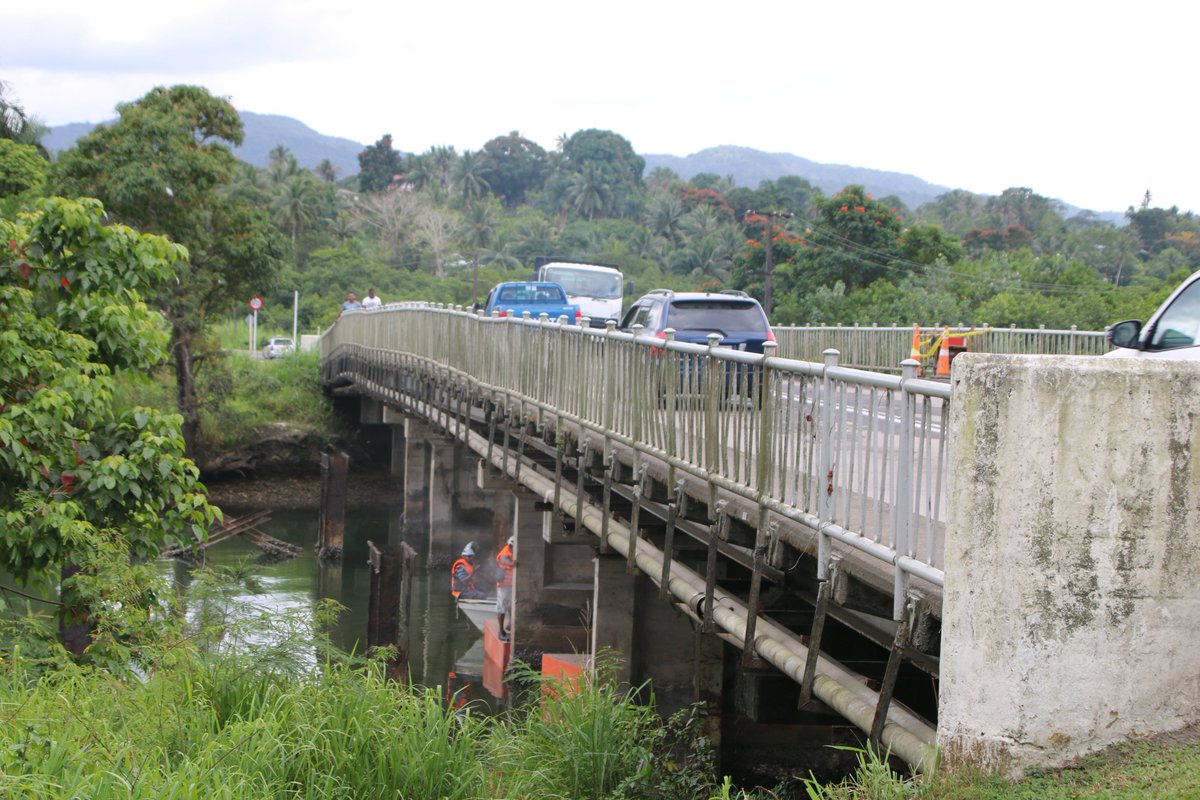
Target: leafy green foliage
(78, 475)
(163, 168)
(21, 168)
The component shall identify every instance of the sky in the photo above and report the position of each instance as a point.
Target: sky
(1090, 103)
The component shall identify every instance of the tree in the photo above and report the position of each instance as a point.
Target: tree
(162, 167)
(295, 204)
(78, 477)
(21, 168)
(514, 167)
(19, 127)
(603, 171)
(327, 171)
(479, 223)
(378, 164)
(469, 180)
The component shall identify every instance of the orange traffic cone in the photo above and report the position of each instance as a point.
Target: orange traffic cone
(915, 352)
(943, 362)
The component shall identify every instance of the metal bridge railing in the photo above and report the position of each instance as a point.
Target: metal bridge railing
(858, 457)
(883, 348)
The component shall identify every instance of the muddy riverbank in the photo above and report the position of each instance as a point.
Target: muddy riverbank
(367, 490)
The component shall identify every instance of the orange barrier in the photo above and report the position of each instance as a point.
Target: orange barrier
(943, 360)
(495, 660)
(915, 352)
(566, 669)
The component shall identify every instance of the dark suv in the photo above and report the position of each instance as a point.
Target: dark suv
(739, 319)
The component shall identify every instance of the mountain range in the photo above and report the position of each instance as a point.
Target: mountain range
(747, 167)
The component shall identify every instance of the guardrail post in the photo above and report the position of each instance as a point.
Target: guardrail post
(765, 391)
(712, 365)
(676, 507)
(826, 421)
(905, 505)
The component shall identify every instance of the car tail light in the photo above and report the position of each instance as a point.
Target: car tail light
(578, 315)
(655, 352)
(770, 336)
(504, 312)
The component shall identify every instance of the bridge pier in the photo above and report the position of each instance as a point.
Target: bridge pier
(417, 436)
(551, 584)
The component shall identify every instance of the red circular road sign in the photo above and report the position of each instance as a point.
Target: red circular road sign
(256, 303)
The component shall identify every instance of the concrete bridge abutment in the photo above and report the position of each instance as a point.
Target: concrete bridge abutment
(1072, 550)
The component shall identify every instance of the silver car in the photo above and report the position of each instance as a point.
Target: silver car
(1173, 332)
(279, 346)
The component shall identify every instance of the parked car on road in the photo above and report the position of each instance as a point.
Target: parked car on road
(1172, 333)
(279, 346)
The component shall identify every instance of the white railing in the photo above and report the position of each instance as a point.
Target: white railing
(858, 457)
(883, 348)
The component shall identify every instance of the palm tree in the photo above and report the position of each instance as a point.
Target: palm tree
(665, 217)
(18, 126)
(295, 205)
(326, 171)
(701, 259)
(590, 194)
(468, 176)
(480, 222)
(442, 160)
(281, 164)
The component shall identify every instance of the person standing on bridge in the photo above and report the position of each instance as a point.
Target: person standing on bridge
(462, 576)
(372, 300)
(351, 302)
(505, 563)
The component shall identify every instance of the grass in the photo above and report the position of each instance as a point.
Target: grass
(1161, 767)
(241, 396)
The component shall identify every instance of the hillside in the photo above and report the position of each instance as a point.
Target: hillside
(746, 166)
(264, 132)
(750, 167)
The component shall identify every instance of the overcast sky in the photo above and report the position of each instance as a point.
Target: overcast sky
(1092, 103)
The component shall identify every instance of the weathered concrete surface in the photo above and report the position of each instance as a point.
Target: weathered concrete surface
(1072, 594)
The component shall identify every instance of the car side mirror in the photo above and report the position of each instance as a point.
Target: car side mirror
(628, 288)
(1125, 334)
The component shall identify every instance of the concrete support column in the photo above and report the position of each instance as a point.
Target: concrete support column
(443, 461)
(1071, 600)
(614, 608)
(417, 436)
(709, 687)
(399, 453)
(547, 615)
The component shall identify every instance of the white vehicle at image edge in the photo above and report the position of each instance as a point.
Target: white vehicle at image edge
(1172, 333)
(279, 346)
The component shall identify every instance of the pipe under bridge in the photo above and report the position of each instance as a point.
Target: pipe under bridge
(770, 500)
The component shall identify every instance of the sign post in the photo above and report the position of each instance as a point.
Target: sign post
(255, 304)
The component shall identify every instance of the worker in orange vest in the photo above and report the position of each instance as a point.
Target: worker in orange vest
(462, 575)
(505, 562)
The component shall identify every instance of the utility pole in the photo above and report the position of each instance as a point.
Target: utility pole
(769, 267)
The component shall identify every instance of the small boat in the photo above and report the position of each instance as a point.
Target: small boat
(478, 611)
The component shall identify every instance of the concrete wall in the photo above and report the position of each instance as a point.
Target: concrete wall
(1072, 559)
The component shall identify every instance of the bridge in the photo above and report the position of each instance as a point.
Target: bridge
(797, 511)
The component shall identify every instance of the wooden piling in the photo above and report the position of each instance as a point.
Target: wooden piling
(332, 532)
(388, 606)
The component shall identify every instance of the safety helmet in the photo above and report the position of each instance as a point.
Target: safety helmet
(469, 550)
(512, 540)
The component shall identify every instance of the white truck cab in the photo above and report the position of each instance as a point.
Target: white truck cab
(1172, 333)
(597, 290)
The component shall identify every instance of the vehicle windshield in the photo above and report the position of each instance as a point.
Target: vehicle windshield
(585, 283)
(1179, 325)
(723, 315)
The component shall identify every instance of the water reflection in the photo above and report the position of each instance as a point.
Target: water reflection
(444, 644)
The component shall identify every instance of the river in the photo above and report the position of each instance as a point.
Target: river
(445, 648)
